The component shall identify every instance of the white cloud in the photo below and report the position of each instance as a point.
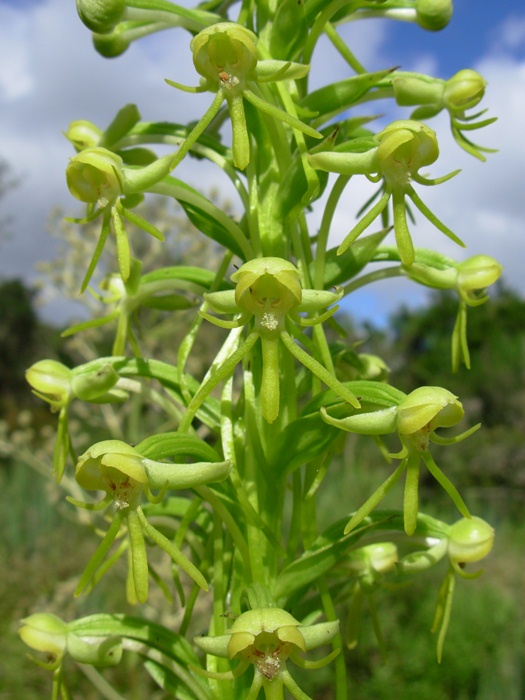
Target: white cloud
(51, 75)
(15, 77)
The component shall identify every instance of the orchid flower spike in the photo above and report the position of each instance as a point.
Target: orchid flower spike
(225, 55)
(269, 296)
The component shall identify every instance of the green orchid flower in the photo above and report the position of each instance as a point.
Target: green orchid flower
(463, 91)
(415, 418)
(268, 293)
(404, 147)
(98, 177)
(119, 469)
(266, 638)
(467, 541)
(49, 635)
(226, 56)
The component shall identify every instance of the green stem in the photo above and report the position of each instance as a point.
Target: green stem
(371, 277)
(343, 49)
(204, 121)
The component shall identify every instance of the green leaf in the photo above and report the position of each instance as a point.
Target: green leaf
(205, 216)
(341, 268)
(338, 96)
(289, 29)
(370, 394)
(168, 302)
(301, 441)
(195, 275)
(159, 447)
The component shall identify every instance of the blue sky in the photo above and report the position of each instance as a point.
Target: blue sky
(50, 75)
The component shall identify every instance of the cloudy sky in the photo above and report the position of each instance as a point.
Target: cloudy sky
(50, 75)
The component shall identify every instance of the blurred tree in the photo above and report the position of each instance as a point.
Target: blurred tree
(18, 328)
(496, 333)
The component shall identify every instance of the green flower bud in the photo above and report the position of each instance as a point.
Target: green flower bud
(93, 175)
(113, 44)
(405, 146)
(428, 408)
(114, 467)
(51, 381)
(101, 16)
(463, 90)
(469, 540)
(433, 14)
(83, 134)
(225, 54)
(47, 633)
